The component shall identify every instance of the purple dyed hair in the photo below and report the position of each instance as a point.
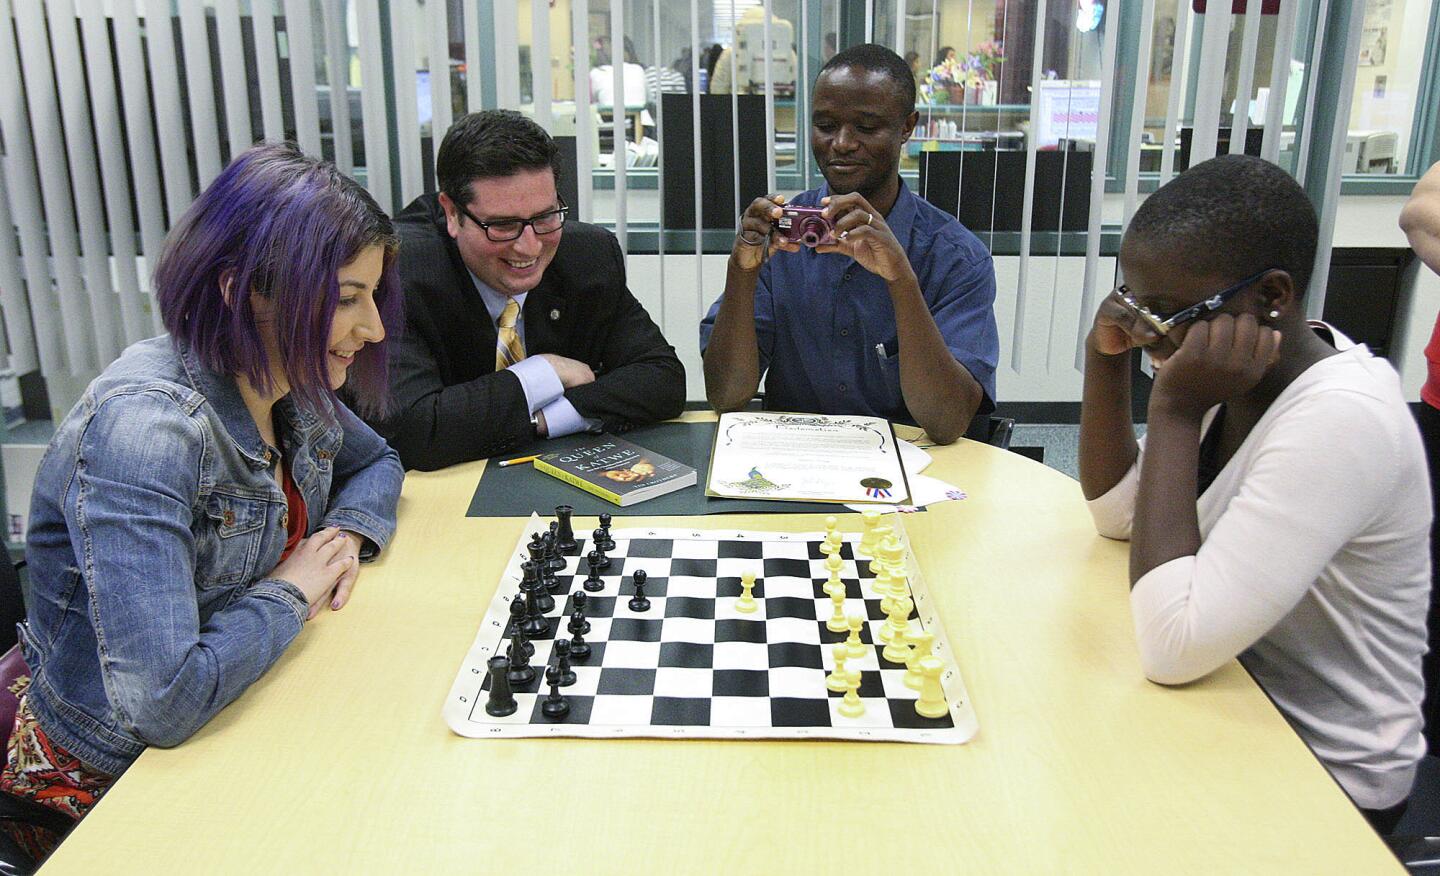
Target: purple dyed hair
(278, 223)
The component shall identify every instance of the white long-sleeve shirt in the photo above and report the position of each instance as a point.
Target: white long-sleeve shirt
(1314, 569)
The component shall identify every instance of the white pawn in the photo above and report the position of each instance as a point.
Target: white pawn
(921, 643)
(839, 680)
(837, 623)
(870, 520)
(746, 602)
(853, 643)
(932, 695)
(851, 706)
(832, 529)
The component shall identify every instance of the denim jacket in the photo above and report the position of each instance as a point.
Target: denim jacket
(155, 520)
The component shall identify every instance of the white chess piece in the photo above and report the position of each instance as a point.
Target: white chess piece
(746, 602)
(866, 548)
(839, 679)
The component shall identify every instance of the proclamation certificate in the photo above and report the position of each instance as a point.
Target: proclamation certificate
(809, 457)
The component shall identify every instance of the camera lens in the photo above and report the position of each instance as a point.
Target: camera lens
(813, 230)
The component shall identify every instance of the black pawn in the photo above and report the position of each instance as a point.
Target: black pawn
(502, 701)
(599, 540)
(639, 602)
(535, 624)
(579, 648)
(593, 583)
(607, 542)
(562, 662)
(578, 600)
(517, 617)
(555, 706)
(521, 672)
(565, 534)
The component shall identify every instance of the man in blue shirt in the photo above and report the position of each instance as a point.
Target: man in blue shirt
(896, 318)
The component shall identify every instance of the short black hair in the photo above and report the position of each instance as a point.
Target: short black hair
(490, 144)
(1235, 215)
(876, 58)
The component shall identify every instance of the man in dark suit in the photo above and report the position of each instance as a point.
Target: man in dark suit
(518, 324)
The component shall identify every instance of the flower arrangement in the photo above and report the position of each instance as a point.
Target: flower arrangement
(959, 79)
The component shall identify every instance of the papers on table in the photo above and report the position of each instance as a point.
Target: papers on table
(809, 457)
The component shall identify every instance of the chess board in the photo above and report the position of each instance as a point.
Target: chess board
(694, 666)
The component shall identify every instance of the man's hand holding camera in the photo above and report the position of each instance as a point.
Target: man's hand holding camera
(861, 234)
(757, 239)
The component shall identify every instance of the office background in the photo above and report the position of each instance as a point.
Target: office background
(1050, 122)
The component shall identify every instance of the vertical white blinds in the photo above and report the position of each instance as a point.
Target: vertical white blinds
(128, 107)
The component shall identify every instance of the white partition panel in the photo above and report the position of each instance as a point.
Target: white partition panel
(618, 110)
(337, 77)
(374, 116)
(80, 153)
(233, 77)
(21, 355)
(1279, 80)
(301, 40)
(507, 54)
(1017, 339)
(200, 89)
(140, 137)
(267, 67)
(1208, 86)
(165, 83)
(541, 89)
(470, 13)
(584, 115)
(1137, 109)
(407, 112)
(1180, 54)
(1244, 85)
(58, 211)
(438, 29)
(113, 178)
(1097, 195)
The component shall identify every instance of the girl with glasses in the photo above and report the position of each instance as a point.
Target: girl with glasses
(1277, 507)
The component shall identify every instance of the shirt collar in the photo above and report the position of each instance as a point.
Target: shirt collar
(495, 301)
(902, 213)
(222, 393)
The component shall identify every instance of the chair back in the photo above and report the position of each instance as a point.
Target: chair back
(12, 666)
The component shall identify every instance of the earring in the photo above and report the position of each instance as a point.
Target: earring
(1274, 314)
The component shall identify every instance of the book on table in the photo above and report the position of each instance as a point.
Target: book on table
(807, 457)
(615, 469)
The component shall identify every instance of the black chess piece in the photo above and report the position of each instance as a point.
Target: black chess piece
(502, 701)
(638, 602)
(579, 648)
(556, 706)
(534, 625)
(533, 588)
(599, 540)
(536, 547)
(565, 535)
(562, 662)
(521, 672)
(577, 601)
(553, 560)
(593, 583)
(607, 542)
(517, 617)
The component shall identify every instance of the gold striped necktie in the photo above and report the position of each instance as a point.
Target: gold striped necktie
(508, 349)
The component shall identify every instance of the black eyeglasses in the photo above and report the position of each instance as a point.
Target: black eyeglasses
(502, 230)
(1163, 324)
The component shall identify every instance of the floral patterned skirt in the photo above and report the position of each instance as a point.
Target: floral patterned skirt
(42, 772)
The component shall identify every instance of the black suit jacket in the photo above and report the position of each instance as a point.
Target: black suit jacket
(450, 404)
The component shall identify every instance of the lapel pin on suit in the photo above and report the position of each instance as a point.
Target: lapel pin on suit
(554, 315)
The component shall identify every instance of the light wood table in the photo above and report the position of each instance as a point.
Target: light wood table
(338, 761)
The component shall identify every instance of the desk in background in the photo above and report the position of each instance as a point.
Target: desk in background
(338, 760)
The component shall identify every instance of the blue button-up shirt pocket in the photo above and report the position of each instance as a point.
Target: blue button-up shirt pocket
(228, 539)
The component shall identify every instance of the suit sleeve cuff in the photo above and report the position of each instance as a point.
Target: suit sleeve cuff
(539, 381)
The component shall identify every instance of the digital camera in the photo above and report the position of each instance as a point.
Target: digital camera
(805, 225)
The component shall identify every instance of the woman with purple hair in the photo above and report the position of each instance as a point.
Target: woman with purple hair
(209, 493)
